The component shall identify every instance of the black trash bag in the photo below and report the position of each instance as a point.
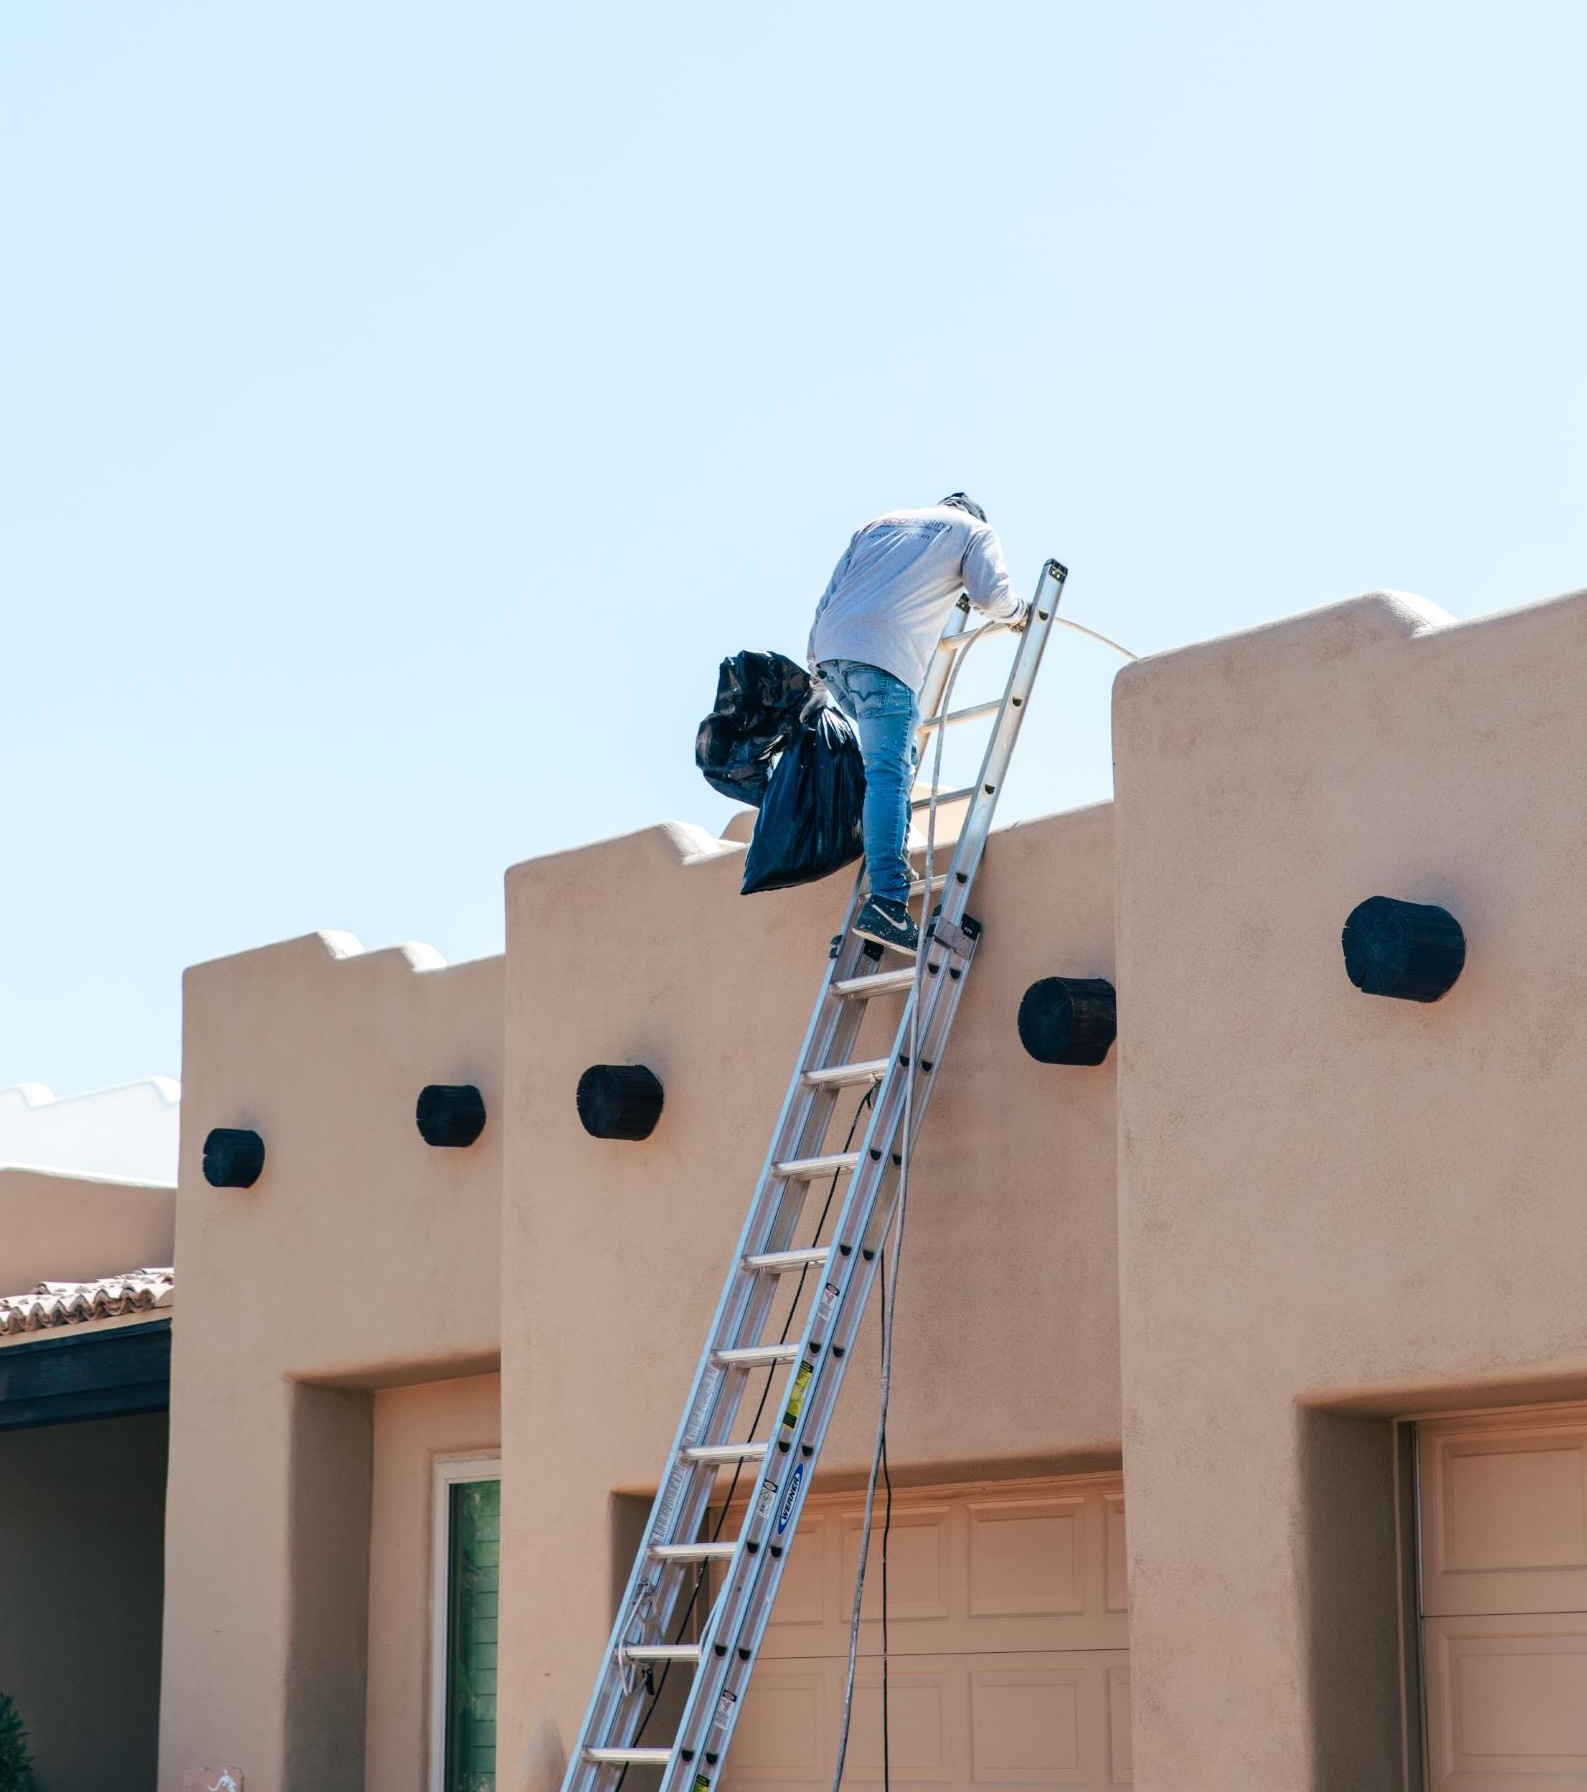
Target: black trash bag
(809, 821)
(758, 699)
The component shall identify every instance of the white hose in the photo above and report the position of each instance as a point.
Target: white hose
(1081, 629)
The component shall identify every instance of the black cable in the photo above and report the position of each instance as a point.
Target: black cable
(658, 1683)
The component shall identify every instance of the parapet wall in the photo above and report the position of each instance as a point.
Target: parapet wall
(361, 1252)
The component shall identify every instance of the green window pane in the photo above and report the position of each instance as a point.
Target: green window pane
(473, 1583)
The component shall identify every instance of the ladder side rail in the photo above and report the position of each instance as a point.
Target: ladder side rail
(684, 1491)
(977, 823)
(734, 1646)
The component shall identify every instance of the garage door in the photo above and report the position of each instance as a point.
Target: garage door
(1009, 1635)
(1504, 1599)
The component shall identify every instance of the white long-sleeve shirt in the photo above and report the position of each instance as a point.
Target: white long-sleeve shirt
(890, 595)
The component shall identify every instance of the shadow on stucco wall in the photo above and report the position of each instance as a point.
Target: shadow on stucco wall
(1351, 1601)
(328, 1575)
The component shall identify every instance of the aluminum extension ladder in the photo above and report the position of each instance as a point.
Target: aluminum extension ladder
(845, 1262)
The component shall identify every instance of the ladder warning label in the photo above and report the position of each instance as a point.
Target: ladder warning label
(796, 1399)
(788, 1499)
(721, 1722)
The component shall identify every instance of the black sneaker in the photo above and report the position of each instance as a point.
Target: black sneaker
(888, 923)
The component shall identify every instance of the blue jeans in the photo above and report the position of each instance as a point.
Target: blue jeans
(885, 715)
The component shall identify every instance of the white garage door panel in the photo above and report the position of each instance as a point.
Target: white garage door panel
(1008, 1638)
(1507, 1702)
(1504, 1587)
(1504, 1515)
(977, 1569)
(1023, 1720)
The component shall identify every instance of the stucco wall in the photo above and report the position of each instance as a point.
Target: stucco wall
(58, 1227)
(413, 1427)
(362, 1258)
(1333, 1207)
(81, 1523)
(641, 950)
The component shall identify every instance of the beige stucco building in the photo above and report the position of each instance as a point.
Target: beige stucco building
(1239, 1419)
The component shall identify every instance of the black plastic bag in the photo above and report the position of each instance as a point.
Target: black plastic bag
(758, 699)
(809, 821)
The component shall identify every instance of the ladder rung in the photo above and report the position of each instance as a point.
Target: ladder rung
(694, 1552)
(870, 1070)
(779, 1263)
(918, 884)
(798, 1168)
(952, 643)
(663, 1652)
(725, 1453)
(879, 983)
(944, 796)
(964, 715)
(756, 1356)
(628, 1757)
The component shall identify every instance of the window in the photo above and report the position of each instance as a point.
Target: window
(467, 1587)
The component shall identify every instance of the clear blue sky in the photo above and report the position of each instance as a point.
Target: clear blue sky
(405, 406)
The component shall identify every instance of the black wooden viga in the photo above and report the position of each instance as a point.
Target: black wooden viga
(619, 1101)
(450, 1114)
(1410, 950)
(233, 1157)
(1068, 1020)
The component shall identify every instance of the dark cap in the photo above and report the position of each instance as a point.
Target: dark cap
(959, 501)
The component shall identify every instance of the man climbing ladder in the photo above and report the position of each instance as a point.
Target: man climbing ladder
(796, 1291)
(876, 627)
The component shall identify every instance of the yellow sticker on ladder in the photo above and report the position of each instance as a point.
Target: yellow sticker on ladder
(796, 1399)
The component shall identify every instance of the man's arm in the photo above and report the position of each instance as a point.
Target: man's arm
(986, 580)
